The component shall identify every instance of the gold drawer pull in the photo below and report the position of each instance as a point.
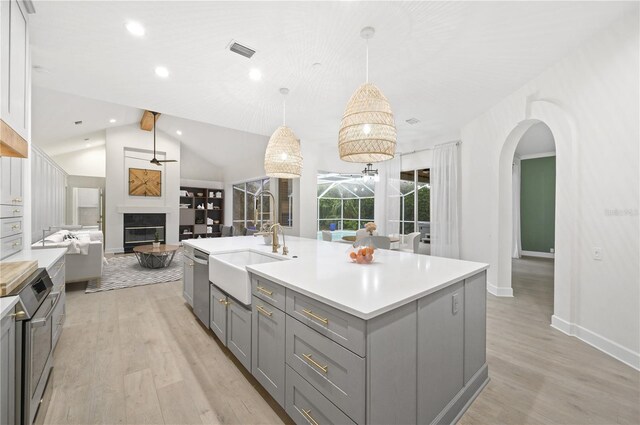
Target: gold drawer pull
(15, 227)
(223, 301)
(16, 211)
(264, 291)
(315, 316)
(18, 315)
(15, 244)
(310, 360)
(307, 415)
(264, 311)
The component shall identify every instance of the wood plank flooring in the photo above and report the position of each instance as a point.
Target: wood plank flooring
(138, 356)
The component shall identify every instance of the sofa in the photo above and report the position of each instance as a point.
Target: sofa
(85, 252)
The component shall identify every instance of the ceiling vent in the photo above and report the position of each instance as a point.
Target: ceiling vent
(238, 48)
(77, 122)
(413, 121)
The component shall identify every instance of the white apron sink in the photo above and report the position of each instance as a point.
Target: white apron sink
(228, 271)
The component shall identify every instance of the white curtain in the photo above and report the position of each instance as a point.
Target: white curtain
(444, 201)
(516, 242)
(393, 195)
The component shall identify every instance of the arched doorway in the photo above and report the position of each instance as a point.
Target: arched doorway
(565, 274)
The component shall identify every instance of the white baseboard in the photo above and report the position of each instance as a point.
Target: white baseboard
(114, 251)
(499, 291)
(595, 340)
(537, 254)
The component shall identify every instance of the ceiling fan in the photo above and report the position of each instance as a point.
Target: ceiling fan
(155, 160)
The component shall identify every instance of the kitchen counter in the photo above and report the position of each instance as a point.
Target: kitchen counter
(7, 304)
(323, 272)
(45, 257)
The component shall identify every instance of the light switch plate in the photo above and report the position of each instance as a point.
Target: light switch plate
(597, 253)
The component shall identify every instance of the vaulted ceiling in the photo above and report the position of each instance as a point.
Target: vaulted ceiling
(440, 62)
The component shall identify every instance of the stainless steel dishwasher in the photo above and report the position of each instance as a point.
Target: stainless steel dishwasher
(201, 295)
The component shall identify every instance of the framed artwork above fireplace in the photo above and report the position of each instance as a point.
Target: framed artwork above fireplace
(144, 182)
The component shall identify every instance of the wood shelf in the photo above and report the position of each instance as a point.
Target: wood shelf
(188, 216)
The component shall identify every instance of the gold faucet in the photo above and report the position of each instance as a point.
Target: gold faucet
(274, 239)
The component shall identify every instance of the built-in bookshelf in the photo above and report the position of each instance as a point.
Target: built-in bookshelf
(201, 212)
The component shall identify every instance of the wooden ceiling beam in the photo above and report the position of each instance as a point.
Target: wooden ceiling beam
(146, 123)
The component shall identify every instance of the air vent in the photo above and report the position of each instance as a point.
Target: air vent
(241, 50)
(413, 121)
(77, 122)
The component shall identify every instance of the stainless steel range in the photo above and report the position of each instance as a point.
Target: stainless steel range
(34, 345)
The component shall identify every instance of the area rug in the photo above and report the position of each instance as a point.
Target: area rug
(123, 271)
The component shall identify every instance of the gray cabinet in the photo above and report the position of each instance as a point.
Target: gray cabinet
(11, 210)
(7, 370)
(57, 274)
(239, 332)
(187, 280)
(218, 313)
(267, 348)
(231, 322)
(440, 350)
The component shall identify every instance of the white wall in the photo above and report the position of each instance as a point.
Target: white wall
(130, 147)
(590, 100)
(87, 162)
(195, 166)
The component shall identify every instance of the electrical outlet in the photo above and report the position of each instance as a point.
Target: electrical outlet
(597, 253)
(455, 303)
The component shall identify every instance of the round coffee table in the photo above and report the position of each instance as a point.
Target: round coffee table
(155, 258)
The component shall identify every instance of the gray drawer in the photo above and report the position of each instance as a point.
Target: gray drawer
(58, 317)
(343, 328)
(305, 405)
(56, 273)
(333, 370)
(268, 291)
(7, 211)
(10, 245)
(10, 226)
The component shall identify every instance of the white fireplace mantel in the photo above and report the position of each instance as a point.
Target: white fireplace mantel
(128, 209)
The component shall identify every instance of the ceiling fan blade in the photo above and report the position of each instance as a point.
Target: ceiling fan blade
(167, 160)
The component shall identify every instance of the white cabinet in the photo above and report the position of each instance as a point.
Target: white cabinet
(15, 67)
(11, 188)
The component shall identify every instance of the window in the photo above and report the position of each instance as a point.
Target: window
(415, 204)
(345, 202)
(245, 214)
(285, 202)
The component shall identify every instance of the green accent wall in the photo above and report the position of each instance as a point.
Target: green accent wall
(538, 203)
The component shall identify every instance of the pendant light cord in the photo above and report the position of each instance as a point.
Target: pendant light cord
(367, 73)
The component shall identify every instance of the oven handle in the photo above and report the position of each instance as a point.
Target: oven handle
(41, 322)
(199, 261)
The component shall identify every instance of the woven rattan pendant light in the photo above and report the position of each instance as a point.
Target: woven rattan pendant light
(368, 131)
(283, 158)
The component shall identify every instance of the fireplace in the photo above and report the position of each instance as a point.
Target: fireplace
(140, 229)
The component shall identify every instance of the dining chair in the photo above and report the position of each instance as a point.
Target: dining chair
(362, 233)
(226, 231)
(410, 243)
(327, 236)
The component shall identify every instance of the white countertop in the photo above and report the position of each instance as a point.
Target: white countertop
(46, 257)
(323, 272)
(7, 304)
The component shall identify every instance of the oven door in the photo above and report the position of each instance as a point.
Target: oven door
(40, 345)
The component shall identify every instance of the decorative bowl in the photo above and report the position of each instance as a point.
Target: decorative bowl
(361, 254)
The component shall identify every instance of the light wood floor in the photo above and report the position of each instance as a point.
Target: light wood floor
(138, 356)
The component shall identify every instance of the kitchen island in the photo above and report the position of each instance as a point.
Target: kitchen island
(401, 340)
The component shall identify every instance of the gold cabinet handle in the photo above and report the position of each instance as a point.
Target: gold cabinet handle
(315, 316)
(264, 311)
(223, 301)
(15, 244)
(15, 227)
(16, 211)
(264, 291)
(310, 360)
(19, 315)
(307, 415)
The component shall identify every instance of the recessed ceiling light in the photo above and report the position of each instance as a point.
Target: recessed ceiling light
(161, 71)
(255, 74)
(179, 133)
(135, 28)
(112, 120)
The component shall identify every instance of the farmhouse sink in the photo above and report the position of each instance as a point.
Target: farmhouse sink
(228, 271)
